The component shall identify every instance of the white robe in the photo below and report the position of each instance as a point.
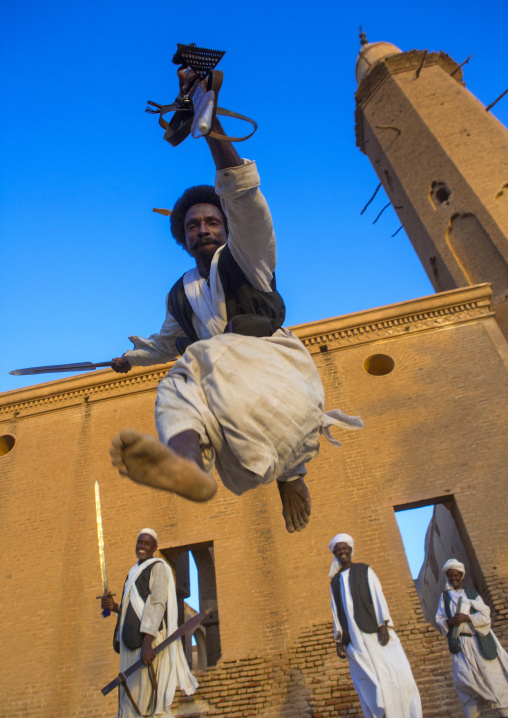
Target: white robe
(171, 667)
(256, 403)
(381, 675)
(478, 682)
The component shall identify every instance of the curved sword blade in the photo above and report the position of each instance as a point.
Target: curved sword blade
(53, 368)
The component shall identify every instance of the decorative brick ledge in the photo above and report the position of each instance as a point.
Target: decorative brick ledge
(437, 311)
(431, 313)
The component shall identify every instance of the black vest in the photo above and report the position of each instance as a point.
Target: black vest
(364, 613)
(131, 635)
(486, 644)
(249, 310)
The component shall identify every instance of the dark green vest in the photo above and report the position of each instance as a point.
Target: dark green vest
(486, 644)
(364, 613)
(249, 310)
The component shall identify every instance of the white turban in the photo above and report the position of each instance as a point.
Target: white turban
(453, 563)
(151, 533)
(340, 538)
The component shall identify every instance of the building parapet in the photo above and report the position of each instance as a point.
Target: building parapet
(435, 312)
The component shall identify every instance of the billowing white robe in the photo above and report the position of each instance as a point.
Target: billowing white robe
(256, 403)
(381, 675)
(171, 667)
(478, 682)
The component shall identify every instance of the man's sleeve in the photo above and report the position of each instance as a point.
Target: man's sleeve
(378, 600)
(480, 619)
(158, 348)
(155, 605)
(441, 616)
(251, 236)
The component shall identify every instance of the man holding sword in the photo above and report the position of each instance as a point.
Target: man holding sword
(148, 614)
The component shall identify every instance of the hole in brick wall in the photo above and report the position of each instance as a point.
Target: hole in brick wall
(439, 194)
(196, 591)
(378, 364)
(7, 442)
(431, 536)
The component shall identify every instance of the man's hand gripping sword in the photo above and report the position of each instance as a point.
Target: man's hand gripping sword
(195, 107)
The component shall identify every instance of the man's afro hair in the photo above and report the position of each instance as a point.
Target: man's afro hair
(200, 194)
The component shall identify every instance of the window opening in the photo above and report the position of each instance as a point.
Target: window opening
(196, 591)
(7, 442)
(378, 365)
(193, 599)
(413, 525)
(431, 535)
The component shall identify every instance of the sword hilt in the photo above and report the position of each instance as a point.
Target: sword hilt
(106, 611)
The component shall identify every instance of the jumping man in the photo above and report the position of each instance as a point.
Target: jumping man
(245, 395)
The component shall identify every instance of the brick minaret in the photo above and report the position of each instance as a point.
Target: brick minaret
(443, 161)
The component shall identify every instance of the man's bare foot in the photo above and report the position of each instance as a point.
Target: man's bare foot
(296, 504)
(145, 460)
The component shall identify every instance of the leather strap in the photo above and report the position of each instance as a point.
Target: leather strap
(152, 703)
(229, 113)
(180, 125)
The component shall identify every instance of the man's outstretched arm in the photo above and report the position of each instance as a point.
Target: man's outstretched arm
(224, 153)
(251, 237)
(156, 349)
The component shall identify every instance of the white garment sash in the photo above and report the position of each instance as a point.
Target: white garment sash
(336, 417)
(134, 573)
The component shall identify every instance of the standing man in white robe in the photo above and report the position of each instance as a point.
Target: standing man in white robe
(245, 395)
(480, 664)
(364, 634)
(147, 615)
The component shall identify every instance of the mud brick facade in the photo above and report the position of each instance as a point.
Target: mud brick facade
(436, 428)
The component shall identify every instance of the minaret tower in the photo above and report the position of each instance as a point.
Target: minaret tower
(443, 160)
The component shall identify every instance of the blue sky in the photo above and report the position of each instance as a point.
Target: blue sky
(84, 260)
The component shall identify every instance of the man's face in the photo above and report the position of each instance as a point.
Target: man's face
(454, 578)
(145, 547)
(343, 552)
(204, 232)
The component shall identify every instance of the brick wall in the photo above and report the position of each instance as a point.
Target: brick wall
(435, 426)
